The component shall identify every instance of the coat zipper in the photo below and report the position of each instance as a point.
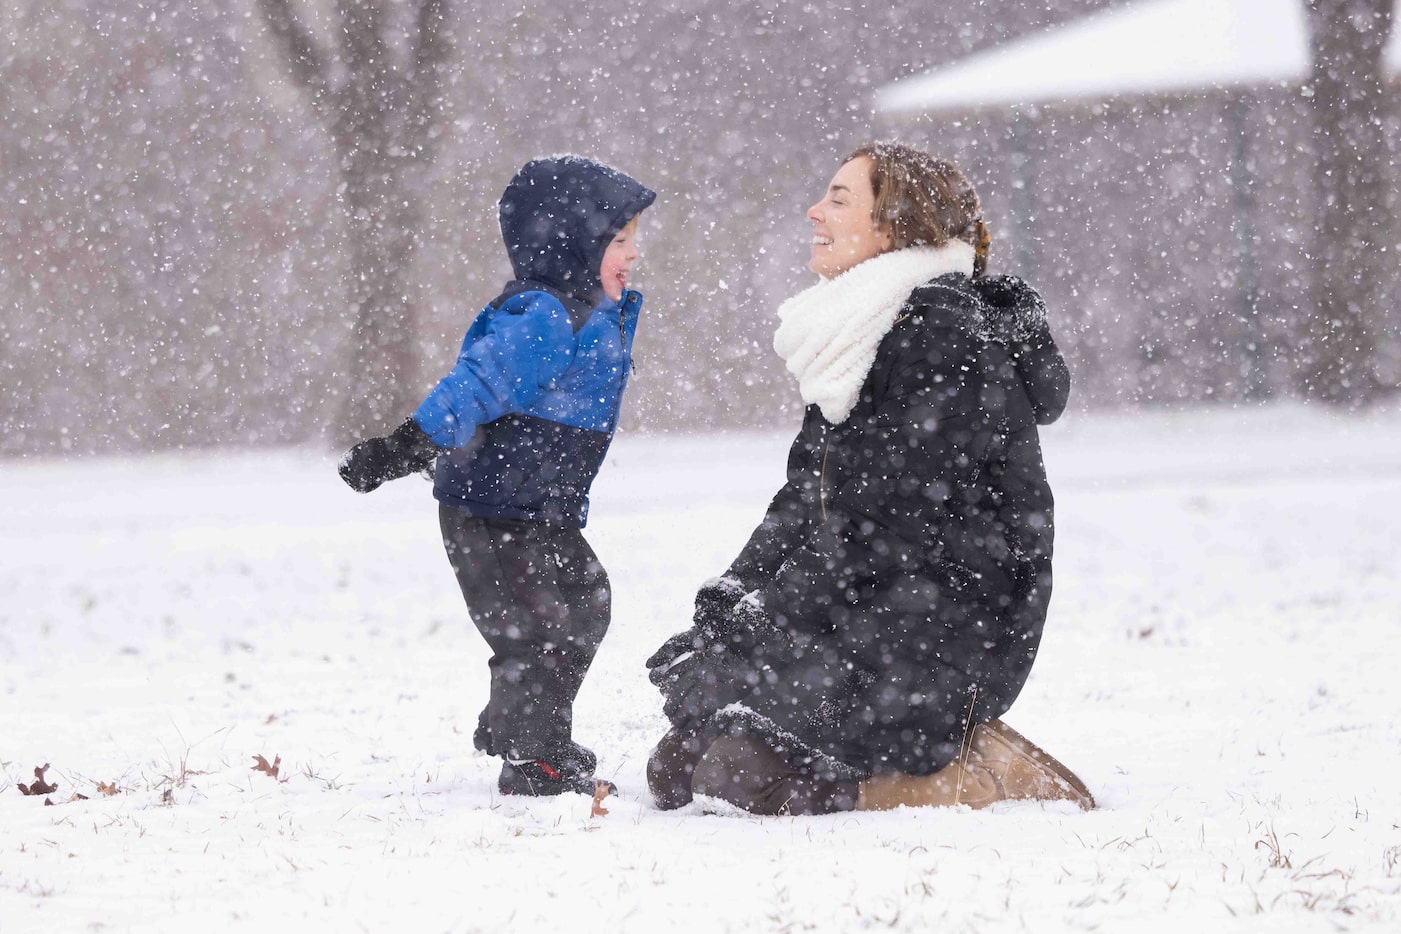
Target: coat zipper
(623, 331)
(822, 476)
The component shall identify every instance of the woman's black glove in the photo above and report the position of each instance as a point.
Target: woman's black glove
(714, 601)
(702, 683)
(710, 669)
(407, 450)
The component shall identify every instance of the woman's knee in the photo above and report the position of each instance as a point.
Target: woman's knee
(749, 774)
(671, 765)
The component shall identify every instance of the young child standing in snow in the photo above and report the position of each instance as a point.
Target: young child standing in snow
(518, 431)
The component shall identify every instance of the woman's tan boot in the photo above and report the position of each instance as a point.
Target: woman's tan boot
(960, 782)
(1025, 770)
(997, 764)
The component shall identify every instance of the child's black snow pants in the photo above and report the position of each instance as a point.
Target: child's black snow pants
(541, 600)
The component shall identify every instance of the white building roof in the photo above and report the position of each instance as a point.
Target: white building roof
(1150, 47)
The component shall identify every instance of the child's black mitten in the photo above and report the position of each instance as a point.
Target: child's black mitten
(407, 450)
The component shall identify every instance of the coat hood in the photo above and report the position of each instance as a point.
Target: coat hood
(558, 216)
(1006, 310)
(1014, 314)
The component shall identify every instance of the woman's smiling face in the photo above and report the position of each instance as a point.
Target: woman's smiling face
(844, 232)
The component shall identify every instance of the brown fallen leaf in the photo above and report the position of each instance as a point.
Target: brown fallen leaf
(108, 789)
(167, 797)
(261, 765)
(40, 787)
(600, 791)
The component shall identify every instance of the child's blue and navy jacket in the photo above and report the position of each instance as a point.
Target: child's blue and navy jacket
(532, 403)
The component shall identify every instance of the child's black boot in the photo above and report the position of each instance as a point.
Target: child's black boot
(538, 778)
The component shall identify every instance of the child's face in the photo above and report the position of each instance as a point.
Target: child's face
(618, 260)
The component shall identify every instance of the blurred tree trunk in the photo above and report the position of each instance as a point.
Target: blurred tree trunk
(1346, 39)
(381, 116)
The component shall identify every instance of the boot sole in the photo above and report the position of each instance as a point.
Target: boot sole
(522, 785)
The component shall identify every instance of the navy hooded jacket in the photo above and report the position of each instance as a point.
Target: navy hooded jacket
(532, 403)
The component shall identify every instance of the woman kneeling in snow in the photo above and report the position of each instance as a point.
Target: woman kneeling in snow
(889, 606)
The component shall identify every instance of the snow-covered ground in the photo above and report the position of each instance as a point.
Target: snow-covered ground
(1220, 665)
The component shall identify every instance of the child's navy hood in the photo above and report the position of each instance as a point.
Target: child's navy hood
(558, 216)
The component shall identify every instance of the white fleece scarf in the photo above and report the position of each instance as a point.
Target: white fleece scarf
(828, 334)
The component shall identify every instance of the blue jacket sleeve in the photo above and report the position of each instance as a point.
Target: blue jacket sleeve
(524, 345)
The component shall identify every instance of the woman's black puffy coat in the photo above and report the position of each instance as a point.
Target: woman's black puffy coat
(908, 556)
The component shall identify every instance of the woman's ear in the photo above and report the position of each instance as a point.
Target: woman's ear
(887, 235)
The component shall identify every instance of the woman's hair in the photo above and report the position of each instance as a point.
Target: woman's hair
(922, 200)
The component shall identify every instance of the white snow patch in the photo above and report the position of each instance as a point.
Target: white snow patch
(1146, 47)
(1217, 666)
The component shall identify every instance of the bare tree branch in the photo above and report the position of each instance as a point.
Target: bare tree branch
(367, 58)
(379, 114)
(425, 84)
(307, 63)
